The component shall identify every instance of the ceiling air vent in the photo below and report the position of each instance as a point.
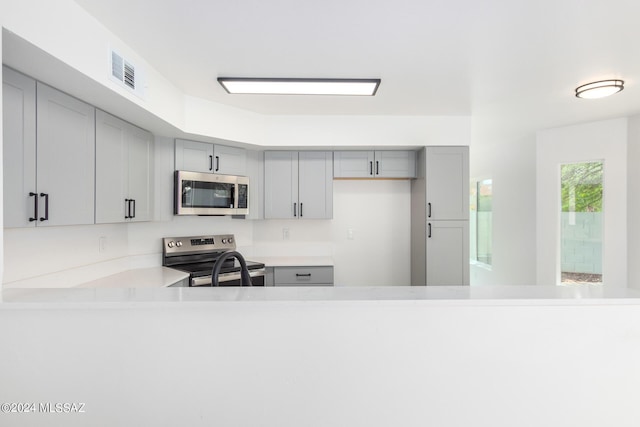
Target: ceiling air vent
(125, 73)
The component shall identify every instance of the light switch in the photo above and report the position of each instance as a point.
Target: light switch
(102, 244)
(350, 234)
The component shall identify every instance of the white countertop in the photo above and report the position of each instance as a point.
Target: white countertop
(153, 277)
(294, 261)
(436, 296)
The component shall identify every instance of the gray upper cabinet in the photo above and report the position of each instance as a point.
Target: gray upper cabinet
(123, 171)
(51, 183)
(374, 164)
(447, 182)
(19, 148)
(210, 158)
(229, 160)
(65, 131)
(298, 184)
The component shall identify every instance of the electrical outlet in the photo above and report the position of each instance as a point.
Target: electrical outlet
(350, 234)
(285, 234)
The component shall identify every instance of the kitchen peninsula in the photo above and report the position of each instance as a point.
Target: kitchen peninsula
(410, 356)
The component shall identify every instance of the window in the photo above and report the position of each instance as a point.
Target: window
(581, 222)
(481, 221)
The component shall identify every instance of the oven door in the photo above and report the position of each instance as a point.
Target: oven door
(231, 279)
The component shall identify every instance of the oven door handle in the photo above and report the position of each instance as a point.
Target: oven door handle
(226, 277)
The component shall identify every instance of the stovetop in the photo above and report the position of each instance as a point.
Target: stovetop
(197, 255)
(204, 269)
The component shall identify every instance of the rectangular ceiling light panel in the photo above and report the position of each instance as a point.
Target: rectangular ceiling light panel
(357, 87)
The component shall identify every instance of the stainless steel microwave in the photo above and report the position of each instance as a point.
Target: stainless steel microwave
(199, 193)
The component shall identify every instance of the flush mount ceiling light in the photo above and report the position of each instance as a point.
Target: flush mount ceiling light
(268, 86)
(599, 89)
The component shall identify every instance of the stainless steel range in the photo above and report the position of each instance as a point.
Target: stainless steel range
(197, 256)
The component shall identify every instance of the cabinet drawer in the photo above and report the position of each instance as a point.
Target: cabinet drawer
(302, 276)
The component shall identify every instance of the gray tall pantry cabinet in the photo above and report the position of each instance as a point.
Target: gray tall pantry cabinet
(298, 185)
(49, 155)
(440, 217)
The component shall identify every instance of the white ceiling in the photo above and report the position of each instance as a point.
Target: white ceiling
(510, 63)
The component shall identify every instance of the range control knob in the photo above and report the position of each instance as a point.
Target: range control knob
(170, 244)
(224, 241)
(230, 240)
(178, 243)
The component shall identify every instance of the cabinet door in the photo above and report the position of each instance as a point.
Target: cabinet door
(229, 160)
(111, 168)
(447, 180)
(123, 170)
(447, 253)
(395, 164)
(140, 158)
(255, 172)
(194, 156)
(280, 184)
(65, 158)
(353, 164)
(19, 148)
(315, 194)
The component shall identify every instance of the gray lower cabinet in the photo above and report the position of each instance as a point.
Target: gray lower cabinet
(374, 164)
(51, 183)
(298, 185)
(447, 253)
(123, 171)
(303, 276)
(206, 157)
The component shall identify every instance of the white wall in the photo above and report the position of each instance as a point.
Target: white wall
(633, 202)
(343, 363)
(510, 163)
(604, 140)
(1, 163)
(378, 214)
